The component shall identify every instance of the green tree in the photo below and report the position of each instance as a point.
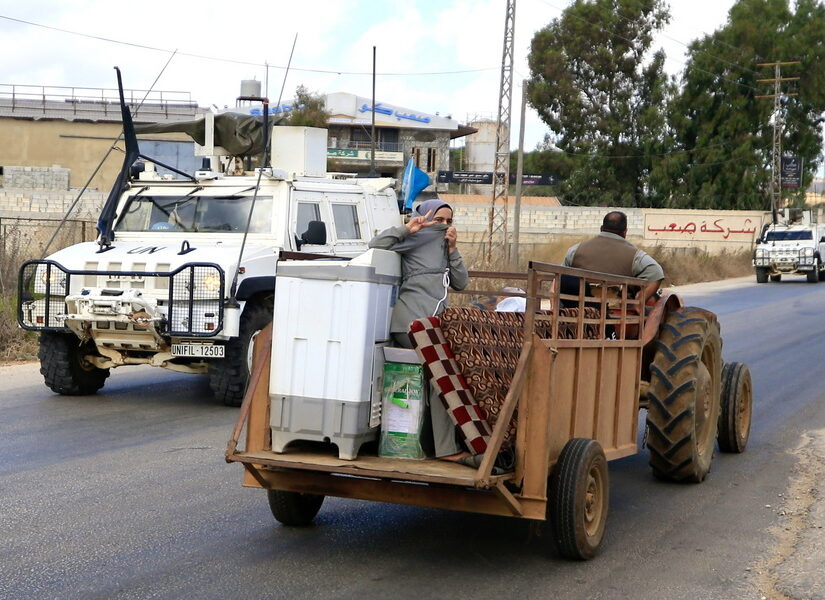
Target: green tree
(544, 160)
(595, 85)
(308, 109)
(723, 133)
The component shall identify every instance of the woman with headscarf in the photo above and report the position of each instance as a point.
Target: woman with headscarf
(429, 261)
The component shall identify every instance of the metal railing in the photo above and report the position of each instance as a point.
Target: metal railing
(63, 101)
(380, 146)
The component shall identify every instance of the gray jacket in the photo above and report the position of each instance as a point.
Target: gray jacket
(424, 260)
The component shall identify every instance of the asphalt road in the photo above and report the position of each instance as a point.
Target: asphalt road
(125, 494)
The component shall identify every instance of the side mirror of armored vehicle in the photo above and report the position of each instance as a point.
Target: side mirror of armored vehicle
(316, 233)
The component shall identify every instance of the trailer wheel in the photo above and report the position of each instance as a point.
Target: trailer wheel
(761, 275)
(579, 498)
(737, 405)
(776, 278)
(228, 376)
(294, 508)
(683, 396)
(813, 276)
(64, 366)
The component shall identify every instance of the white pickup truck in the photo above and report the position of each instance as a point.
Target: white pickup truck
(790, 249)
(167, 283)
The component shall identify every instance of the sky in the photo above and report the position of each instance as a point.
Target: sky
(434, 56)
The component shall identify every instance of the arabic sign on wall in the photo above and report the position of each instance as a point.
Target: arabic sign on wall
(706, 228)
(791, 171)
(474, 177)
(350, 154)
(486, 178)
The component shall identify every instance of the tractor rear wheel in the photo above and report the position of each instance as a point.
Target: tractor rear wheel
(737, 406)
(579, 497)
(683, 397)
(294, 508)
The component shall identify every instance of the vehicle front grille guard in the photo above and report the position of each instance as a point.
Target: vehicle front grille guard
(191, 300)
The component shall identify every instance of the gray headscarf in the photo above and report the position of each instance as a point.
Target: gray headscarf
(430, 205)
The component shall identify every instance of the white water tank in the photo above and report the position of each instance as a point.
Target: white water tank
(250, 87)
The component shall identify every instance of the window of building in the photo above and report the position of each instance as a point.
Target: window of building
(386, 138)
(346, 222)
(307, 211)
(426, 159)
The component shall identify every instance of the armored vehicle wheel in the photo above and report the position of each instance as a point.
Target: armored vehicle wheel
(813, 276)
(776, 277)
(579, 498)
(64, 368)
(683, 397)
(822, 275)
(228, 376)
(294, 508)
(737, 406)
(761, 275)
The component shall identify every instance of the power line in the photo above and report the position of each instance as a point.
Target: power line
(243, 62)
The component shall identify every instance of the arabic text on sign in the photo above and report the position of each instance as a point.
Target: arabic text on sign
(716, 227)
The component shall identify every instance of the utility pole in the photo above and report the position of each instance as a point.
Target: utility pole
(776, 156)
(372, 129)
(514, 253)
(497, 222)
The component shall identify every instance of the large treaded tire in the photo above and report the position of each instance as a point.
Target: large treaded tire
(293, 508)
(813, 276)
(683, 396)
(737, 405)
(761, 275)
(579, 499)
(776, 278)
(228, 376)
(63, 367)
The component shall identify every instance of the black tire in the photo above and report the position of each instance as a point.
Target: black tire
(813, 276)
(579, 499)
(776, 278)
(683, 396)
(228, 376)
(64, 368)
(737, 406)
(293, 508)
(761, 275)
(822, 275)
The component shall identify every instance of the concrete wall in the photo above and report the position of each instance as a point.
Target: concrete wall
(44, 178)
(714, 231)
(43, 203)
(74, 145)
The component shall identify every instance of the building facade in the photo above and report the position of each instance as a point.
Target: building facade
(401, 133)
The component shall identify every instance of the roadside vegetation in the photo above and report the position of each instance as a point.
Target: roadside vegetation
(681, 265)
(15, 344)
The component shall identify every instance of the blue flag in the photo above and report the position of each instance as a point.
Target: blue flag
(413, 182)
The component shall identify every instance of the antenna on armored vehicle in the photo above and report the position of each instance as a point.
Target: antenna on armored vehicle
(100, 164)
(233, 289)
(107, 214)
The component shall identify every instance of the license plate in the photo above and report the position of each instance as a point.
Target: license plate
(199, 350)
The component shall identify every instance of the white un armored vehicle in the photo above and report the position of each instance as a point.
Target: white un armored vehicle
(182, 274)
(790, 249)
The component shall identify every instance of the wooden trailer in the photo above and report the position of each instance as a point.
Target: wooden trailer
(571, 405)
